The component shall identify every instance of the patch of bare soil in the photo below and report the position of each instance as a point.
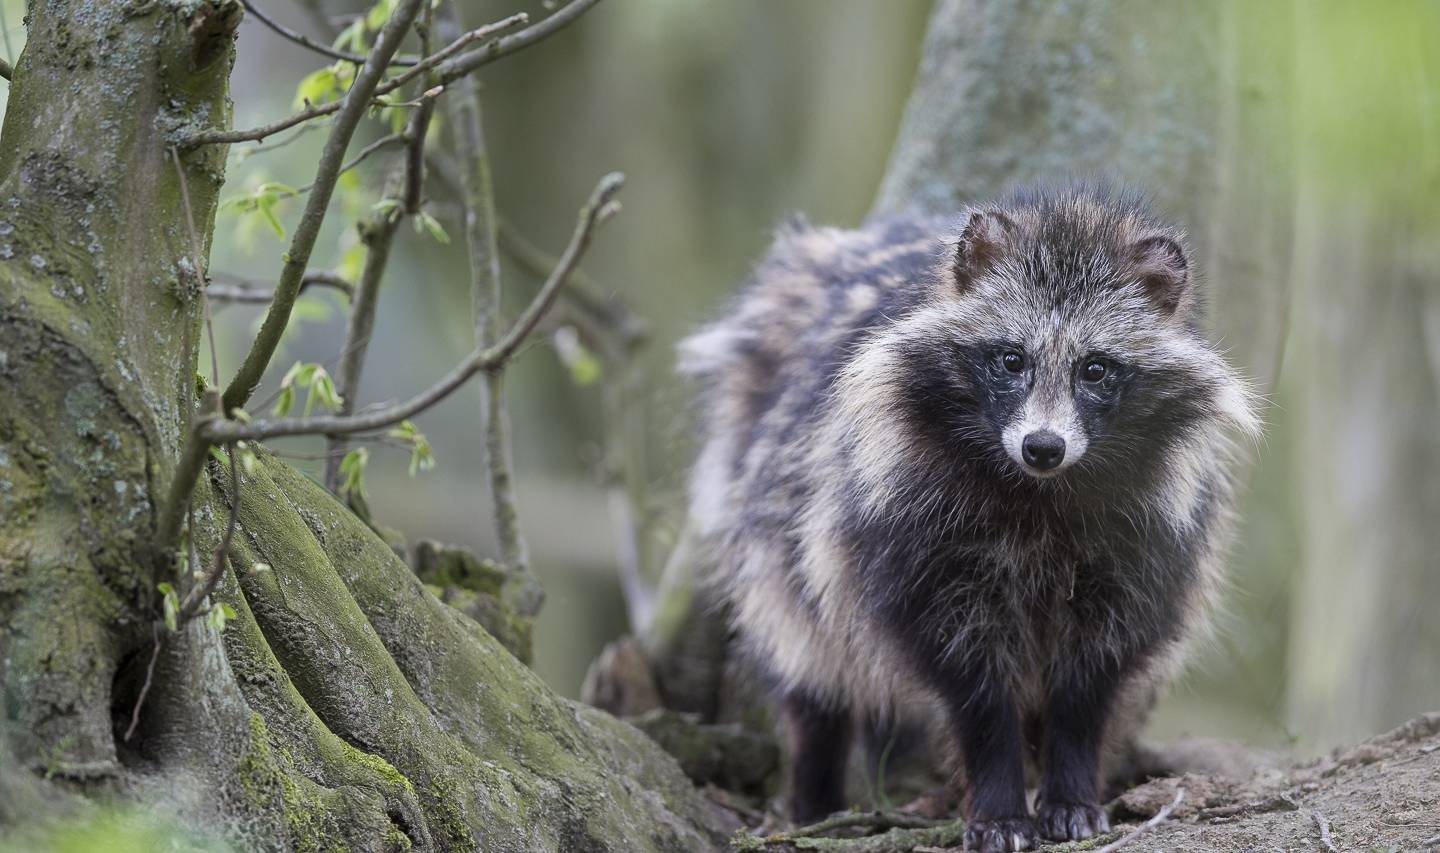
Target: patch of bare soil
(1382, 794)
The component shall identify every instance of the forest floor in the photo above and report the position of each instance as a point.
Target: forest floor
(1382, 794)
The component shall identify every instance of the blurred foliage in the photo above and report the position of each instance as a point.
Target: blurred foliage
(1369, 103)
(114, 829)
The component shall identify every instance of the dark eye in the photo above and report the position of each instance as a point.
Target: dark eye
(1094, 371)
(1013, 361)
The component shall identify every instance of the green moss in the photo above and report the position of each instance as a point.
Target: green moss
(380, 767)
(267, 784)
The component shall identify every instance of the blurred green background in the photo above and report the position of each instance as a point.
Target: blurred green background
(728, 116)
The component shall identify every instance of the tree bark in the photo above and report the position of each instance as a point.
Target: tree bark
(344, 706)
(1189, 103)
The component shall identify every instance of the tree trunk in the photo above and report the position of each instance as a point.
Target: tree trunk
(1365, 377)
(1190, 103)
(345, 706)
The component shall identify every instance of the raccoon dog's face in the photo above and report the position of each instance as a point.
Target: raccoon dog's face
(1068, 340)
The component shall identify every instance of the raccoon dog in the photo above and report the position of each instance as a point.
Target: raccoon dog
(980, 463)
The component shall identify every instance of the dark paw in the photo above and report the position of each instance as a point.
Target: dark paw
(1004, 835)
(1070, 822)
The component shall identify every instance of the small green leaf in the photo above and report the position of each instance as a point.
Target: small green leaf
(422, 456)
(285, 402)
(585, 368)
(352, 472)
(171, 603)
(266, 206)
(429, 223)
(380, 13)
(352, 262)
(327, 84)
(310, 310)
(219, 455)
(219, 615)
(352, 38)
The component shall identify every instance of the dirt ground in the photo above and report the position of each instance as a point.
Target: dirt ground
(1382, 794)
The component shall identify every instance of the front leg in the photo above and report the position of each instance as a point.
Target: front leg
(1078, 704)
(987, 725)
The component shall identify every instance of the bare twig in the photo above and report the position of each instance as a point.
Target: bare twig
(466, 63)
(248, 293)
(212, 137)
(888, 832)
(1323, 824)
(485, 294)
(586, 293)
(307, 42)
(220, 559)
(144, 688)
(6, 70)
(381, 143)
(874, 821)
(182, 483)
(599, 209)
(403, 188)
(356, 101)
(1159, 818)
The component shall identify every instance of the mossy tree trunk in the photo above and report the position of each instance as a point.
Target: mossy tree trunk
(345, 706)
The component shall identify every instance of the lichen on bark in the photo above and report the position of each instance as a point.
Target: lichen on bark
(344, 706)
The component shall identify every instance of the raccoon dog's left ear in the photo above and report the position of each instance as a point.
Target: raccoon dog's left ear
(981, 243)
(1163, 269)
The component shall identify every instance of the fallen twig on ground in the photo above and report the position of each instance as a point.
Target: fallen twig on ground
(1159, 818)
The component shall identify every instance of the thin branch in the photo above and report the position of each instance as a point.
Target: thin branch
(1159, 818)
(586, 293)
(6, 70)
(485, 293)
(467, 63)
(377, 145)
(251, 294)
(307, 42)
(875, 821)
(403, 186)
(212, 137)
(356, 101)
(144, 688)
(599, 209)
(267, 147)
(182, 482)
(1323, 824)
(616, 334)
(220, 559)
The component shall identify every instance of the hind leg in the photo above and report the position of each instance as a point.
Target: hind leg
(819, 750)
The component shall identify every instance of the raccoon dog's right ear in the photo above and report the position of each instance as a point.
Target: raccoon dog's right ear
(982, 241)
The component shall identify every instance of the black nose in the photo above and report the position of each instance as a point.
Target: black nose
(1043, 450)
